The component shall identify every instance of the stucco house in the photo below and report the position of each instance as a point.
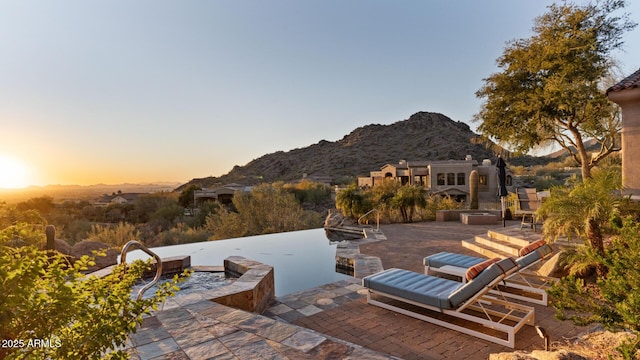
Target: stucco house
(222, 194)
(626, 93)
(446, 177)
(119, 198)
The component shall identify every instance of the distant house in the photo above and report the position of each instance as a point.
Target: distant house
(223, 194)
(448, 177)
(119, 198)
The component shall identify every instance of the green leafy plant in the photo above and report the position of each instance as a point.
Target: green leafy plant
(613, 300)
(407, 198)
(353, 201)
(49, 309)
(584, 210)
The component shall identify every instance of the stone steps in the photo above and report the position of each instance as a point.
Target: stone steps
(501, 243)
(484, 250)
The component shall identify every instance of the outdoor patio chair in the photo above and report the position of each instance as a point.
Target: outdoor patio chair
(466, 308)
(523, 284)
(528, 204)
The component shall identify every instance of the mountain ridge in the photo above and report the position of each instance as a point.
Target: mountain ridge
(424, 136)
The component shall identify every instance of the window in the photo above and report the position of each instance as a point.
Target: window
(482, 179)
(451, 179)
(440, 179)
(461, 177)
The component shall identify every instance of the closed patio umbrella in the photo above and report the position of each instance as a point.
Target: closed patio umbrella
(502, 184)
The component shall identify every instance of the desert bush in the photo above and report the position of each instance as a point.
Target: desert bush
(310, 192)
(22, 233)
(435, 202)
(116, 236)
(265, 209)
(9, 215)
(179, 234)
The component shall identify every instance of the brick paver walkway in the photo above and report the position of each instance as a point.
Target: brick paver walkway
(402, 336)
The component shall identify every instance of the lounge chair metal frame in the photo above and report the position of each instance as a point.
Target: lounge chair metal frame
(533, 286)
(490, 312)
(522, 280)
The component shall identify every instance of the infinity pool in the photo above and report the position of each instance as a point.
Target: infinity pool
(301, 259)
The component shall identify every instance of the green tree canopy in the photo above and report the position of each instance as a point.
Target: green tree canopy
(549, 88)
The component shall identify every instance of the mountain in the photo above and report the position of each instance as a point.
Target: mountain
(590, 144)
(424, 136)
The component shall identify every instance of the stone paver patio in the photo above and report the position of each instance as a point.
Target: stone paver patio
(334, 321)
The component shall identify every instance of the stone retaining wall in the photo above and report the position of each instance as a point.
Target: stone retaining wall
(253, 290)
(454, 215)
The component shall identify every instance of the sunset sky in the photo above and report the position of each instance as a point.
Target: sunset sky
(141, 91)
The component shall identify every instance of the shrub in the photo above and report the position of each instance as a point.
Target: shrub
(310, 192)
(44, 298)
(613, 301)
(266, 209)
(115, 236)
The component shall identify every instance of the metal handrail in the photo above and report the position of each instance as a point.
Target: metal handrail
(123, 260)
(377, 218)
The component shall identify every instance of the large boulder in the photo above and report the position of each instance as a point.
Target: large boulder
(552, 266)
(63, 247)
(87, 247)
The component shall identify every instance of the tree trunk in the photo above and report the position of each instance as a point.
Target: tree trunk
(585, 161)
(596, 241)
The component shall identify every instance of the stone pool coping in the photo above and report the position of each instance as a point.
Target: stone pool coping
(226, 322)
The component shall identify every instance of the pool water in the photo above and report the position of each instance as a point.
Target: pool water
(199, 281)
(301, 259)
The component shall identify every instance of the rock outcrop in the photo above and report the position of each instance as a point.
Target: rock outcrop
(87, 247)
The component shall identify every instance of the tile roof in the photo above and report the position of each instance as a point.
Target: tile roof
(631, 81)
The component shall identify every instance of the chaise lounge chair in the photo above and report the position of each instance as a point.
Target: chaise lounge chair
(528, 205)
(446, 302)
(522, 284)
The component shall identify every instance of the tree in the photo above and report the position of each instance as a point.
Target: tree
(584, 210)
(407, 198)
(352, 201)
(548, 90)
(186, 195)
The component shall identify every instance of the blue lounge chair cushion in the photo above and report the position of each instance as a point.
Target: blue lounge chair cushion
(535, 255)
(425, 289)
(446, 258)
(486, 277)
(432, 290)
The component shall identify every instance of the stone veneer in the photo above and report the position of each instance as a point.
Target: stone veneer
(252, 291)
